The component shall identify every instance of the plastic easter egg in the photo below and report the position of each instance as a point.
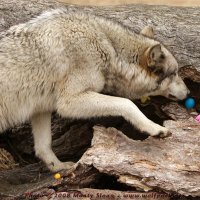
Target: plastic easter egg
(144, 99)
(57, 176)
(198, 118)
(189, 103)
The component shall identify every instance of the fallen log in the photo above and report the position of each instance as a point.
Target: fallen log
(178, 28)
(170, 164)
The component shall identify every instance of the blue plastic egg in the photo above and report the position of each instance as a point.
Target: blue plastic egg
(189, 103)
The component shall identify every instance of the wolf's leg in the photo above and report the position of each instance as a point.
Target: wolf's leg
(41, 128)
(91, 104)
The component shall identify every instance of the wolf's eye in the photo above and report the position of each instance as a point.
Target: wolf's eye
(162, 56)
(159, 72)
(172, 74)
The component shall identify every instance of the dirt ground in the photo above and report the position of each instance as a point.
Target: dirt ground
(119, 2)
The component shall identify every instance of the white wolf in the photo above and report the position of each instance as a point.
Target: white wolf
(67, 61)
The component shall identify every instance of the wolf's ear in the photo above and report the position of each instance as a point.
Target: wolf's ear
(155, 56)
(147, 31)
(155, 59)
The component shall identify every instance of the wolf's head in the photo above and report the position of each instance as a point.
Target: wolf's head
(164, 68)
(146, 68)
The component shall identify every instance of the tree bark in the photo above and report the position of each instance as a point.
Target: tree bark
(171, 164)
(178, 28)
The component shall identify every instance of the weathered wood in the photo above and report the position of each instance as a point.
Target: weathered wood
(170, 164)
(14, 12)
(177, 27)
(25, 181)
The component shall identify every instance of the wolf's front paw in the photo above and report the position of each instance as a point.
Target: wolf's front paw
(165, 133)
(162, 132)
(61, 166)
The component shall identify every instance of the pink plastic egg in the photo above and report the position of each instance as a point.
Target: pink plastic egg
(198, 118)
